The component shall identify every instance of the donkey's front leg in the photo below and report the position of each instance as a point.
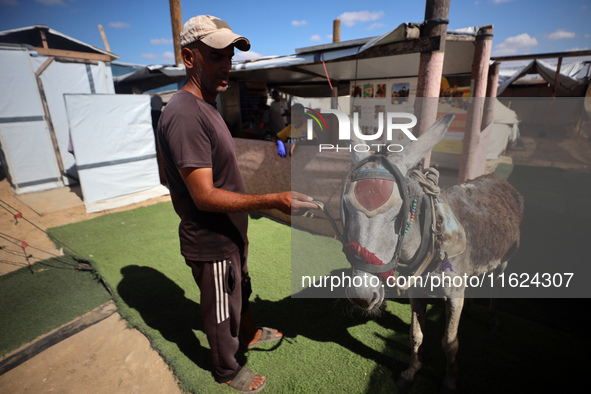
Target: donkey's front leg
(417, 323)
(453, 309)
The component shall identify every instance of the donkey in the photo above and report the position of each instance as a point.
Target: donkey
(391, 224)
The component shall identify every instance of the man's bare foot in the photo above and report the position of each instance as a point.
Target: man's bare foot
(246, 381)
(256, 382)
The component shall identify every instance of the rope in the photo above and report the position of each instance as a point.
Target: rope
(332, 221)
(18, 215)
(326, 72)
(80, 263)
(429, 180)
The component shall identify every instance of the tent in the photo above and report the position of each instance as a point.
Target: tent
(39, 67)
(573, 79)
(505, 131)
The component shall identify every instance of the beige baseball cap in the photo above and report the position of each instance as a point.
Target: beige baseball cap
(213, 32)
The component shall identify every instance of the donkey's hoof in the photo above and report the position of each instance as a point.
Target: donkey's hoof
(403, 384)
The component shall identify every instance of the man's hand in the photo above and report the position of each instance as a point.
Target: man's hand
(294, 203)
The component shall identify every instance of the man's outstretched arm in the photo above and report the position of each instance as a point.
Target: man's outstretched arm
(199, 181)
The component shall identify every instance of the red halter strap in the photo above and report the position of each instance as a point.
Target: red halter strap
(356, 249)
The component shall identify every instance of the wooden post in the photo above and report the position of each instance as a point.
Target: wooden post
(431, 68)
(43, 37)
(50, 128)
(336, 37)
(176, 19)
(472, 162)
(336, 30)
(488, 118)
(103, 35)
(334, 96)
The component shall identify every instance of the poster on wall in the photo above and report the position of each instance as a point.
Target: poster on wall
(454, 94)
(372, 98)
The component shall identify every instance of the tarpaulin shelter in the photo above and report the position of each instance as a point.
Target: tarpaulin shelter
(313, 72)
(572, 80)
(390, 60)
(394, 54)
(540, 83)
(148, 78)
(58, 95)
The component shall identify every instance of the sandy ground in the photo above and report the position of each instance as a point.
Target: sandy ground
(106, 357)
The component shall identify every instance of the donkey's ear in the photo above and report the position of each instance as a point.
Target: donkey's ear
(415, 150)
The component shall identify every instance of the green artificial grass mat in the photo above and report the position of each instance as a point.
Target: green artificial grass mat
(328, 347)
(32, 304)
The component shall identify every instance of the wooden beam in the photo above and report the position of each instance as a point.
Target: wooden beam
(104, 36)
(426, 44)
(75, 54)
(176, 19)
(43, 38)
(552, 55)
(72, 60)
(20, 356)
(419, 45)
(43, 67)
(50, 127)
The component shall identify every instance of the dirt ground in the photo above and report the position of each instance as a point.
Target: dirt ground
(104, 358)
(108, 357)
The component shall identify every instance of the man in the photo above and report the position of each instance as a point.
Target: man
(279, 113)
(296, 131)
(208, 194)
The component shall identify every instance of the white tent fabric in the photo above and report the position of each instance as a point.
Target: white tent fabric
(28, 153)
(60, 78)
(504, 131)
(114, 148)
(570, 76)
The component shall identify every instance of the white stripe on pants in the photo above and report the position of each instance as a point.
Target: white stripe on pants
(221, 297)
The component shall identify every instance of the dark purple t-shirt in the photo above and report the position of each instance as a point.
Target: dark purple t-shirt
(192, 133)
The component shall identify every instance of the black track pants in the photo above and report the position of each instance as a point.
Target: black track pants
(225, 289)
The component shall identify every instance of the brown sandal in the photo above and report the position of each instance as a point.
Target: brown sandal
(268, 335)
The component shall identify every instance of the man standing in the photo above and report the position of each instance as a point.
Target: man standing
(208, 194)
(279, 113)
